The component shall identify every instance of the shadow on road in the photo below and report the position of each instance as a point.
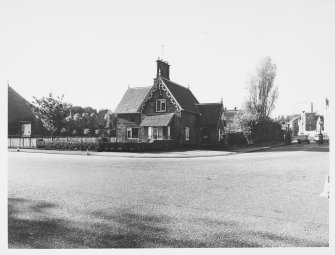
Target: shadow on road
(32, 224)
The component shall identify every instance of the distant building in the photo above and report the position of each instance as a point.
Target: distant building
(21, 120)
(294, 125)
(320, 124)
(229, 118)
(307, 122)
(311, 123)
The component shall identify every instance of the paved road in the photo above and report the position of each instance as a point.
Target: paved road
(269, 198)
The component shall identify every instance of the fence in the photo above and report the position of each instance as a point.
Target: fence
(30, 142)
(22, 142)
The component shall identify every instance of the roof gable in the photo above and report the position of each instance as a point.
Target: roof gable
(183, 96)
(132, 100)
(209, 113)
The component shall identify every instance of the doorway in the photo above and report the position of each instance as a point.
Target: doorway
(205, 136)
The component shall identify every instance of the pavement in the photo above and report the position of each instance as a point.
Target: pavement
(166, 154)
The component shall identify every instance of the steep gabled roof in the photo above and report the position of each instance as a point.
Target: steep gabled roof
(183, 95)
(132, 100)
(18, 107)
(209, 113)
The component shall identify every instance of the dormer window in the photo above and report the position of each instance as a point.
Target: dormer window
(161, 105)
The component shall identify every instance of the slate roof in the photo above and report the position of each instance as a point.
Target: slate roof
(210, 113)
(18, 107)
(161, 120)
(183, 95)
(132, 100)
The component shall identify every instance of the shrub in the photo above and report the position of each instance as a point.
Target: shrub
(67, 145)
(103, 145)
(132, 147)
(236, 139)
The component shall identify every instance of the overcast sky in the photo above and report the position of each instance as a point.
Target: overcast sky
(91, 50)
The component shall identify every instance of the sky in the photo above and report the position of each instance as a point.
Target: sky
(92, 50)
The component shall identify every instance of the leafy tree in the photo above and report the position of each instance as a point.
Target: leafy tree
(267, 130)
(51, 111)
(262, 91)
(89, 110)
(254, 118)
(77, 109)
(244, 121)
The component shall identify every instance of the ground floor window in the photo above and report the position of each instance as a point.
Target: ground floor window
(187, 133)
(221, 134)
(132, 133)
(159, 133)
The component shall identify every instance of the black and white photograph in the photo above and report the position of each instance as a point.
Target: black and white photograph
(153, 125)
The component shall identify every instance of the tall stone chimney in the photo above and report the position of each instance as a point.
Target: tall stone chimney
(163, 69)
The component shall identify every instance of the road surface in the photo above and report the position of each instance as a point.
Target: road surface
(261, 199)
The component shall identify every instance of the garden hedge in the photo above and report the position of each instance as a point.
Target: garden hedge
(63, 145)
(105, 146)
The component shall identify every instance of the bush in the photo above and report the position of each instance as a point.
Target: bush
(267, 131)
(64, 145)
(132, 147)
(236, 139)
(103, 145)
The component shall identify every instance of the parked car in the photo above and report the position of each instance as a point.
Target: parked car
(303, 139)
(325, 138)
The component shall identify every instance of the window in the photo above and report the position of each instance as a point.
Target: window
(160, 105)
(159, 133)
(187, 133)
(132, 133)
(150, 132)
(25, 129)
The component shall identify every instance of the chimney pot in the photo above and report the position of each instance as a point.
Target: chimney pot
(163, 69)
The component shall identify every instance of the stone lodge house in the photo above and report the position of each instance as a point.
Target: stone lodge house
(166, 111)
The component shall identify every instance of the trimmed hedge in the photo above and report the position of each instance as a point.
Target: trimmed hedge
(63, 145)
(236, 139)
(157, 145)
